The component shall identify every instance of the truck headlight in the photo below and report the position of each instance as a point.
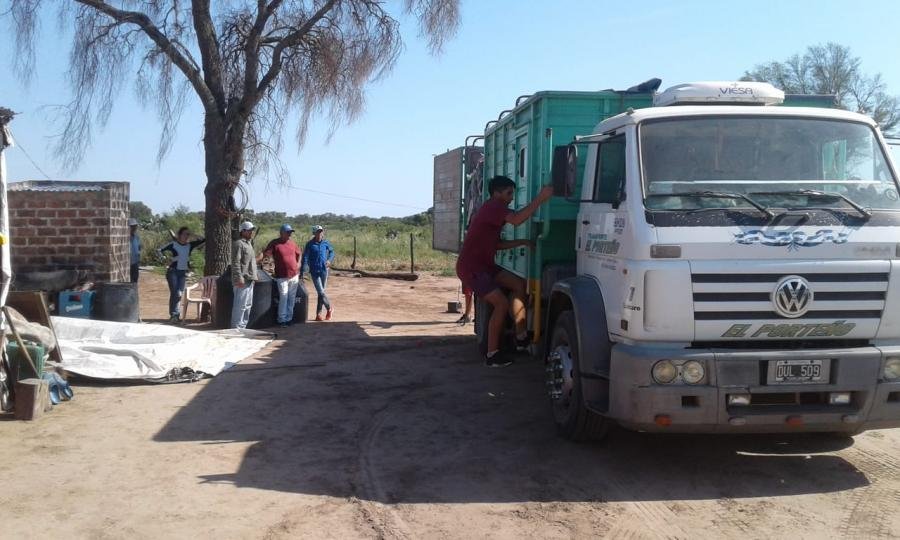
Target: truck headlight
(664, 372)
(891, 370)
(692, 372)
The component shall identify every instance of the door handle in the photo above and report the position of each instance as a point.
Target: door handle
(585, 222)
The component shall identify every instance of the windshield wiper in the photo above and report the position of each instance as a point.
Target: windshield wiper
(822, 195)
(718, 195)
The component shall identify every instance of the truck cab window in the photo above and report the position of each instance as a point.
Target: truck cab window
(609, 179)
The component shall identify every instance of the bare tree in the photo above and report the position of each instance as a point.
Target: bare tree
(250, 63)
(832, 69)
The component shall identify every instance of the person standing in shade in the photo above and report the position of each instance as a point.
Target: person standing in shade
(317, 257)
(286, 255)
(180, 249)
(134, 243)
(243, 275)
(467, 314)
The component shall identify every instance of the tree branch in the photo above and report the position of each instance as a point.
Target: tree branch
(290, 40)
(168, 48)
(210, 57)
(251, 55)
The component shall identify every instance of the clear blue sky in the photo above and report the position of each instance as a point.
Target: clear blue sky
(427, 105)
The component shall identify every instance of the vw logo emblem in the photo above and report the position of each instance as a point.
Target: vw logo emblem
(792, 297)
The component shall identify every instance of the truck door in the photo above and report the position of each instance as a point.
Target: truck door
(894, 146)
(518, 256)
(601, 219)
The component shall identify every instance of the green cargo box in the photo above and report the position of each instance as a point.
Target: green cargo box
(519, 144)
(18, 363)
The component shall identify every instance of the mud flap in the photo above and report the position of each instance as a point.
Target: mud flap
(593, 338)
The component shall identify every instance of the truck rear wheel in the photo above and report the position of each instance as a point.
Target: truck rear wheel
(573, 419)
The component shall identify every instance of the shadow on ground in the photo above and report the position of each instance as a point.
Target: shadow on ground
(409, 419)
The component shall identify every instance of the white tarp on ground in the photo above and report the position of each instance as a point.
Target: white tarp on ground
(113, 350)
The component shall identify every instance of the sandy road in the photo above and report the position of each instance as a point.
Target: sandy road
(383, 424)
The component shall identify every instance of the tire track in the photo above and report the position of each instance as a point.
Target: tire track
(726, 513)
(377, 515)
(872, 507)
(646, 519)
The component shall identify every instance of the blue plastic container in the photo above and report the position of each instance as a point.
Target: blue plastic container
(76, 304)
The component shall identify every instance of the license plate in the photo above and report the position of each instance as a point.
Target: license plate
(798, 371)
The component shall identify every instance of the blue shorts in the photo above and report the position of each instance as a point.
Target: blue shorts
(482, 283)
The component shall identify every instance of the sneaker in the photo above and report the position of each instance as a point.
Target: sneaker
(283, 325)
(174, 318)
(328, 314)
(498, 360)
(319, 318)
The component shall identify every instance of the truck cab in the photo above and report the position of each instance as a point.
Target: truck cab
(714, 260)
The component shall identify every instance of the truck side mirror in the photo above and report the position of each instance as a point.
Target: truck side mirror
(564, 170)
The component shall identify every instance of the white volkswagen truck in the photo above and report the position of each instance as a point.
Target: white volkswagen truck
(737, 270)
(719, 257)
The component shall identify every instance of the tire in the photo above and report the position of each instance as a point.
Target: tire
(574, 421)
(483, 312)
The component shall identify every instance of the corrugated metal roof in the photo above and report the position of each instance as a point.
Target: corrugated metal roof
(57, 186)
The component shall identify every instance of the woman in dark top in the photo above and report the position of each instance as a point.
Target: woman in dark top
(180, 249)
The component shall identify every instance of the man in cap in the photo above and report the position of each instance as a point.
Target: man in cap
(243, 274)
(135, 245)
(317, 257)
(286, 255)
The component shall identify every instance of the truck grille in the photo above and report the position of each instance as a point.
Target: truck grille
(732, 296)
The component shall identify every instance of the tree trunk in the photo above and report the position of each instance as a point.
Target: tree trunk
(224, 157)
(217, 226)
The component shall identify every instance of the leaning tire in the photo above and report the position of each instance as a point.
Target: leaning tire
(483, 312)
(573, 419)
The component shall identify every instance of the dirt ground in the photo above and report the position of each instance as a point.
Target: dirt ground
(383, 423)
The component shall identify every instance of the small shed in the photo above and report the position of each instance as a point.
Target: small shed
(68, 225)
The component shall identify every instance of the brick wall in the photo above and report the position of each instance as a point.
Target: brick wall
(70, 225)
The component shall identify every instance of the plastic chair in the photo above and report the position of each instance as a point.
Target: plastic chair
(207, 290)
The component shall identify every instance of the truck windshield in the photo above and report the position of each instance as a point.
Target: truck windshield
(776, 162)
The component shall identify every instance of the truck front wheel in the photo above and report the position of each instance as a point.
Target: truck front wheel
(573, 419)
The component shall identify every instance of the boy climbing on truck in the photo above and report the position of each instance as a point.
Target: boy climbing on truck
(478, 271)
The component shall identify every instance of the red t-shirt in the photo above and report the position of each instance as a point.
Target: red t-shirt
(286, 255)
(482, 238)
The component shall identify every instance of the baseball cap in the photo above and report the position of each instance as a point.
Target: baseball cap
(132, 222)
(247, 226)
(287, 228)
(317, 228)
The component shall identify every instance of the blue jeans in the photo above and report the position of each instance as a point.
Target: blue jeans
(240, 308)
(319, 281)
(175, 278)
(287, 297)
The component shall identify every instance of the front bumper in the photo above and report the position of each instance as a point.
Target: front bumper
(637, 402)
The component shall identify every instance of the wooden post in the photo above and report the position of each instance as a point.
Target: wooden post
(32, 399)
(412, 256)
(353, 264)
